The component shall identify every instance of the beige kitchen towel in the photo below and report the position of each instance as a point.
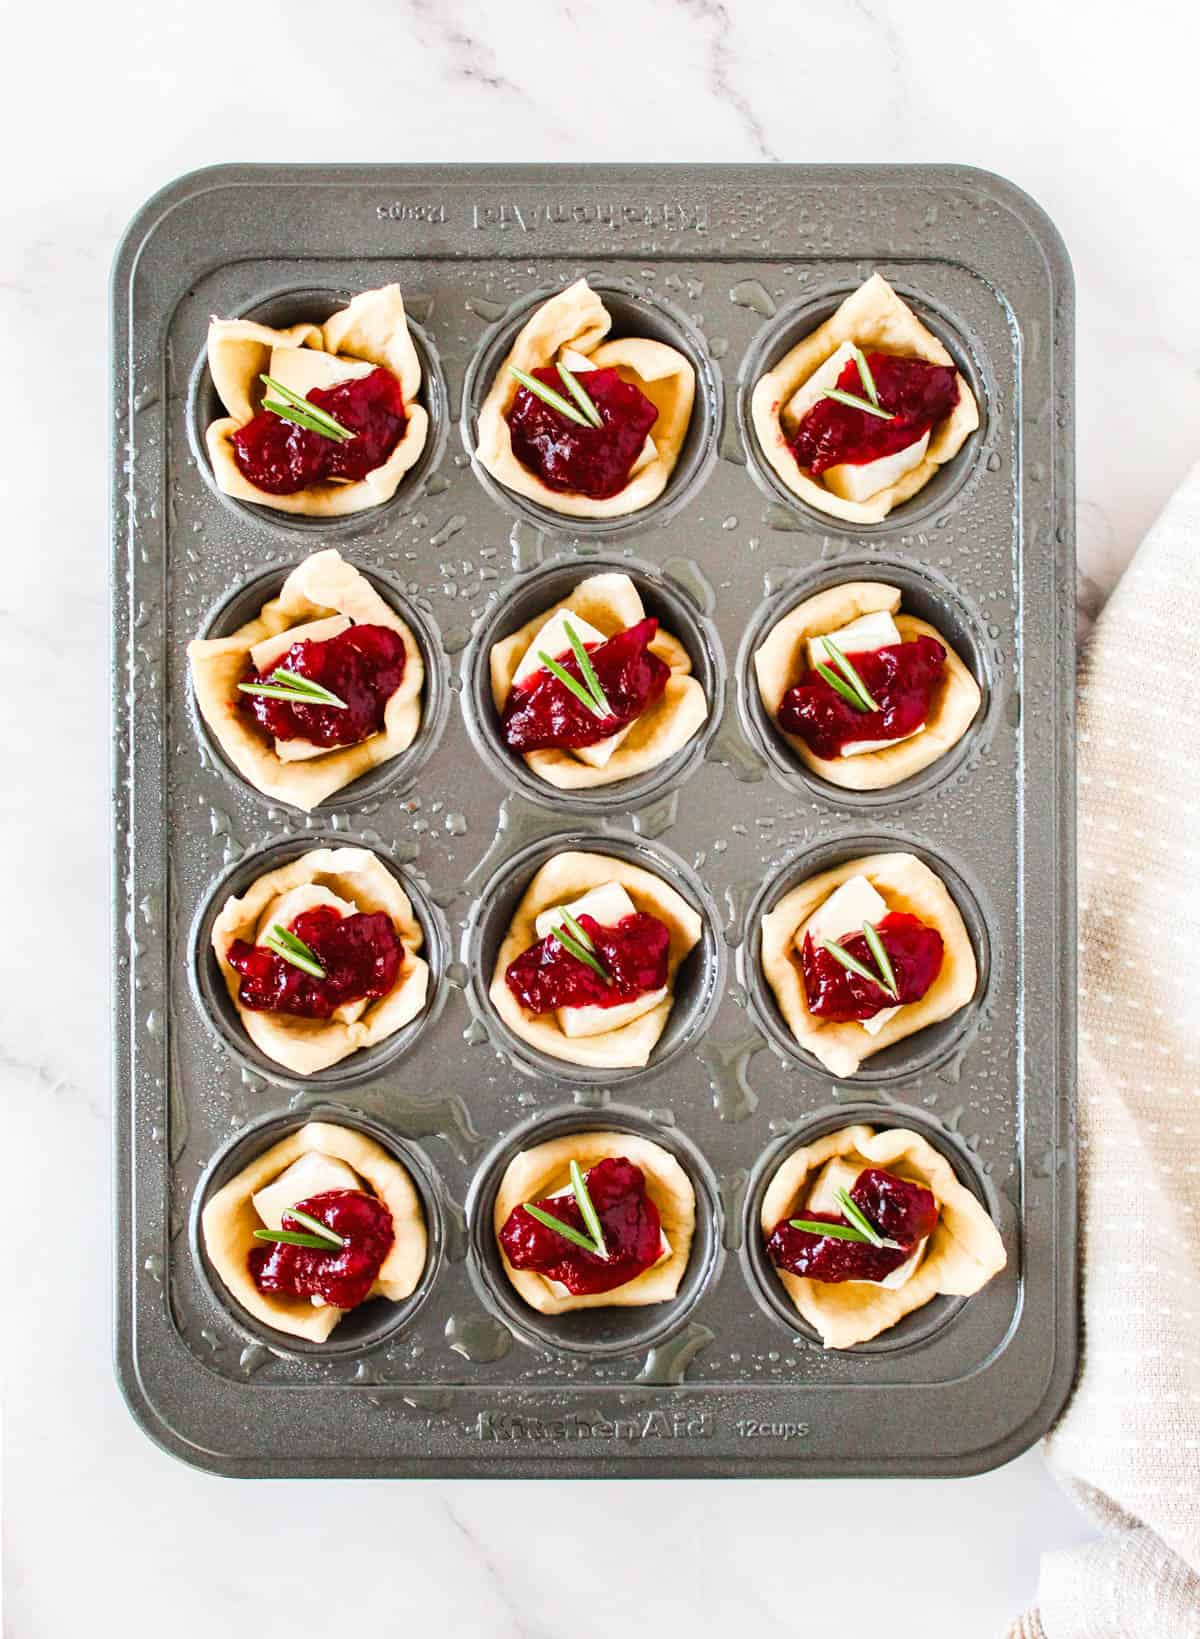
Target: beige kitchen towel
(1127, 1447)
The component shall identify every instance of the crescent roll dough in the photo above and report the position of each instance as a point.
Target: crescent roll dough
(229, 1221)
(372, 329)
(576, 319)
(908, 885)
(544, 1170)
(783, 656)
(611, 604)
(960, 1257)
(324, 584)
(873, 316)
(354, 876)
(567, 877)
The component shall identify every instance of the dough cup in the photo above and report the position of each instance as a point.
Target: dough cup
(874, 317)
(609, 601)
(532, 1161)
(321, 585)
(306, 1047)
(566, 875)
(964, 1252)
(226, 1220)
(668, 367)
(909, 885)
(783, 656)
(372, 329)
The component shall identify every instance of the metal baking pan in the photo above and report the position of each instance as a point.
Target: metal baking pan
(730, 262)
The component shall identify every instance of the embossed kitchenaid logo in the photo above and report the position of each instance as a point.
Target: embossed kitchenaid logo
(670, 216)
(508, 1428)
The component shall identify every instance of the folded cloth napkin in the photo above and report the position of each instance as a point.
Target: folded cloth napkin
(1127, 1447)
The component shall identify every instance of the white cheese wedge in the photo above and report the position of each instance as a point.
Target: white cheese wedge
(822, 378)
(608, 904)
(267, 654)
(553, 640)
(303, 368)
(862, 636)
(842, 914)
(840, 1174)
(557, 1286)
(859, 481)
(312, 1174)
(294, 903)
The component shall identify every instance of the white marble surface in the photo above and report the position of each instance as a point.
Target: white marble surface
(1086, 107)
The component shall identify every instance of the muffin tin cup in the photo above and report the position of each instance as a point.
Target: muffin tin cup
(531, 594)
(798, 320)
(373, 1323)
(761, 1276)
(635, 311)
(914, 1055)
(314, 304)
(927, 595)
(216, 1005)
(699, 982)
(608, 1331)
(390, 778)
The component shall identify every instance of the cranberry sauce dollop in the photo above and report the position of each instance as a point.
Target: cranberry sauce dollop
(902, 678)
(633, 954)
(900, 1210)
(628, 1217)
(592, 461)
(364, 666)
(277, 456)
(834, 993)
(917, 393)
(342, 1277)
(542, 713)
(361, 954)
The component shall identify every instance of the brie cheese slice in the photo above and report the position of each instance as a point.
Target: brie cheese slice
(303, 368)
(840, 1174)
(859, 481)
(312, 1174)
(842, 914)
(267, 654)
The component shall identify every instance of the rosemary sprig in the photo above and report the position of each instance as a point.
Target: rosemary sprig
(880, 957)
(864, 374)
(853, 965)
(573, 685)
(284, 944)
(850, 673)
(842, 688)
(580, 394)
(581, 952)
(289, 406)
(835, 1232)
(293, 1237)
(551, 1222)
(856, 403)
(587, 1211)
(854, 1214)
(297, 690)
(584, 661)
(548, 396)
(316, 1227)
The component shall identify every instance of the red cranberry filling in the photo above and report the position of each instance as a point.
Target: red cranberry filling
(364, 666)
(900, 1210)
(628, 1217)
(633, 954)
(834, 993)
(917, 393)
(361, 954)
(277, 456)
(592, 461)
(343, 1277)
(902, 678)
(542, 713)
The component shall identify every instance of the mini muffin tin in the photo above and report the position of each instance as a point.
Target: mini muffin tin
(732, 265)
